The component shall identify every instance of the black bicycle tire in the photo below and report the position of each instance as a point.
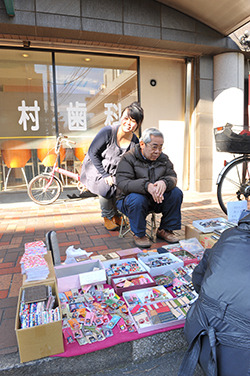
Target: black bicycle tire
(48, 201)
(223, 177)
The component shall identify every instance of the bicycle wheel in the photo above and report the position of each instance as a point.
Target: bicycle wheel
(235, 183)
(43, 191)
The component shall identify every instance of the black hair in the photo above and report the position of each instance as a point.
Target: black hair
(136, 112)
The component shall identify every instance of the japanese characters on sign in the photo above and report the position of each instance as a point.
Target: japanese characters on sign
(26, 115)
(77, 115)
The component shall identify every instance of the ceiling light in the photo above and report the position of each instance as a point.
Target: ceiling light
(25, 55)
(87, 59)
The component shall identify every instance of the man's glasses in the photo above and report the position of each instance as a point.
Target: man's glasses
(154, 147)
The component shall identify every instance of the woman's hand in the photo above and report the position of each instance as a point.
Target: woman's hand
(109, 180)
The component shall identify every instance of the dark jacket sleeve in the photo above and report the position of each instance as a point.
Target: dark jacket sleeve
(97, 147)
(126, 178)
(199, 271)
(170, 176)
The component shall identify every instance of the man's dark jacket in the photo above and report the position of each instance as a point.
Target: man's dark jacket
(218, 324)
(135, 172)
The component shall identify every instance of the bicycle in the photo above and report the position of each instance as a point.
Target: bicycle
(45, 188)
(233, 182)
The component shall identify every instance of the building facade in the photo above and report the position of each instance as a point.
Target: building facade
(71, 67)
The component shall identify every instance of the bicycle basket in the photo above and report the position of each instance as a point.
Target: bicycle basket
(231, 142)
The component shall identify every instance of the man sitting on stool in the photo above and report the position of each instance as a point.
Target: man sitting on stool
(146, 182)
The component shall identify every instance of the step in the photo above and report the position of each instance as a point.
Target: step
(120, 355)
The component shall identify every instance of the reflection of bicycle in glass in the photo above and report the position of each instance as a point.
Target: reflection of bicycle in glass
(233, 182)
(44, 189)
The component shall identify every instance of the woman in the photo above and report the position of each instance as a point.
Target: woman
(100, 164)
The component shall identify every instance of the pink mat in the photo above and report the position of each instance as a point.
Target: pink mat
(74, 349)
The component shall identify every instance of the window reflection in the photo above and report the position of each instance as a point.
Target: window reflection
(91, 91)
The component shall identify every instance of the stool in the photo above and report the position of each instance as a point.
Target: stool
(151, 225)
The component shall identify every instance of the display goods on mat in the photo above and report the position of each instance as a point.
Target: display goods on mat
(120, 267)
(155, 308)
(160, 263)
(132, 282)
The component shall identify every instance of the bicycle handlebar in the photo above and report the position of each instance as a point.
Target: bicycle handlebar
(71, 142)
(59, 140)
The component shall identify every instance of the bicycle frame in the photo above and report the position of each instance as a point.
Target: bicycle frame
(74, 176)
(61, 171)
(45, 188)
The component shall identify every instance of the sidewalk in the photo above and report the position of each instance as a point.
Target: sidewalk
(76, 222)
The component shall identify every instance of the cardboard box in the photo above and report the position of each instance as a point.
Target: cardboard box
(192, 232)
(121, 290)
(117, 263)
(159, 270)
(39, 341)
(51, 276)
(208, 240)
(82, 273)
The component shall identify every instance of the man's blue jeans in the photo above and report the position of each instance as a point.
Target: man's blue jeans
(137, 206)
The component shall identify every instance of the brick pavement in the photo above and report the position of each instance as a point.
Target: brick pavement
(76, 222)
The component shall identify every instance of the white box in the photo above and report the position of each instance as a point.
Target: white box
(119, 262)
(159, 270)
(81, 273)
(142, 298)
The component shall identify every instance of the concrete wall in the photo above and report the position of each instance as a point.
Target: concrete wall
(129, 22)
(164, 104)
(203, 134)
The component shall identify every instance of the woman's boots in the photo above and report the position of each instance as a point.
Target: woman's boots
(112, 224)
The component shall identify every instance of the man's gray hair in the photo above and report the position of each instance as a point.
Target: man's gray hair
(147, 133)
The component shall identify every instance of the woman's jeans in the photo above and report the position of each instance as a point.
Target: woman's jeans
(137, 206)
(107, 199)
(108, 207)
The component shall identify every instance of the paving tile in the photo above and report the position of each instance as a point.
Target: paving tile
(8, 336)
(69, 243)
(9, 313)
(100, 236)
(15, 285)
(3, 294)
(16, 269)
(6, 265)
(95, 249)
(5, 281)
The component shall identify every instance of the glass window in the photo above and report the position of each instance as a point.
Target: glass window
(91, 91)
(27, 113)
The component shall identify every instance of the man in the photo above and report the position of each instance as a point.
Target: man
(146, 182)
(217, 326)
